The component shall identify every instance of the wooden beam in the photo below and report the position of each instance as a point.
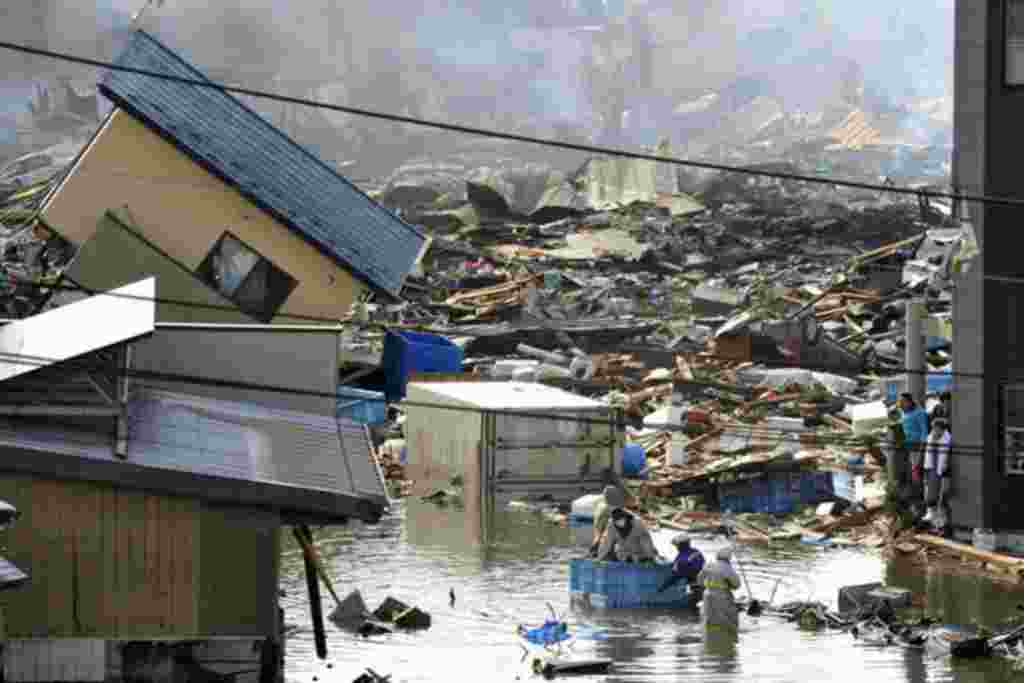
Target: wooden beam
(970, 551)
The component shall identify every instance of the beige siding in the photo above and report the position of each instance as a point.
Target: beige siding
(183, 209)
(440, 444)
(108, 562)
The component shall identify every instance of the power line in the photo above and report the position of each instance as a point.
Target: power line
(880, 369)
(610, 421)
(514, 137)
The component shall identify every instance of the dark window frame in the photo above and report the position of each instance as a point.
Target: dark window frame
(1010, 432)
(272, 303)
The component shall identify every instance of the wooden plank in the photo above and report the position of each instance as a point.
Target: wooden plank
(1015, 563)
(186, 566)
(93, 615)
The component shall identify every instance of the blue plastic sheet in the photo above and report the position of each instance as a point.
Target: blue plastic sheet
(550, 633)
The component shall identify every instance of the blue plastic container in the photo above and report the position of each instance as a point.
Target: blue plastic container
(406, 353)
(362, 406)
(624, 585)
(939, 382)
(779, 494)
(634, 459)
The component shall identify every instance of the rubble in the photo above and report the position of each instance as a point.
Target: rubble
(750, 346)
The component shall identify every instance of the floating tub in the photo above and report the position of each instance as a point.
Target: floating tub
(624, 585)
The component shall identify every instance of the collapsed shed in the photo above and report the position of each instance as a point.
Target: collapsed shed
(510, 438)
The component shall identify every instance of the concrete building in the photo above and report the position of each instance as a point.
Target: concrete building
(217, 188)
(988, 396)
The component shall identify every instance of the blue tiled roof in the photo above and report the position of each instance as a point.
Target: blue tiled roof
(276, 173)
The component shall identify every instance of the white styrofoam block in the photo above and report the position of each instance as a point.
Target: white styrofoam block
(868, 417)
(583, 507)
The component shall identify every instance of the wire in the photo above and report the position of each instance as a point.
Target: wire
(483, 132)
(887, 369)
(205, 381)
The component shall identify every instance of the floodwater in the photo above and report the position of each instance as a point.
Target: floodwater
(420, 552)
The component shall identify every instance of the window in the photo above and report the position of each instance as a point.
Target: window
(1013, 429)
(1015, 42)
(255, 284)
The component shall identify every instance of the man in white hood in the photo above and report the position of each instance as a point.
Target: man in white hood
(720, 580)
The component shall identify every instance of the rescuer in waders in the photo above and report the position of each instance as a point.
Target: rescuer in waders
(686, 567)
(720, 580)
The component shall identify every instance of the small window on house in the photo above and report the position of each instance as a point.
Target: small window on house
(242, 275)
(1013, 429)
(1015, 42)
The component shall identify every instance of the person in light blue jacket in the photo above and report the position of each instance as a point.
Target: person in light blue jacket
(915, 435)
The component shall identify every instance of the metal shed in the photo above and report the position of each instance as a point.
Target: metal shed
(511, 438)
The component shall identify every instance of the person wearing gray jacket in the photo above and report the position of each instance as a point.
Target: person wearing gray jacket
(628, 540)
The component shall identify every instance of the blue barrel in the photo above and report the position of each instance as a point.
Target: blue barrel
(634, 459)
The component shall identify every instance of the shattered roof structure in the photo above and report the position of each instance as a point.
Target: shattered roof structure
(280, 176)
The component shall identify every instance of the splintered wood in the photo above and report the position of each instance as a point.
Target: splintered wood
(489, 300)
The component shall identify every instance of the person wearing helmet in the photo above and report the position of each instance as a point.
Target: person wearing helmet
(612, 498)
(687, 565)
(627, 540)
(719, 580)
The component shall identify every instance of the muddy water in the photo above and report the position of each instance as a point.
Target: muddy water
(420, 552)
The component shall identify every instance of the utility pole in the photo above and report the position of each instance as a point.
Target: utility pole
(916, 377)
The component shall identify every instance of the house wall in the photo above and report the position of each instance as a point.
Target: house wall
(115, 256)
(183, 209)
(441, 443)
(109, 562)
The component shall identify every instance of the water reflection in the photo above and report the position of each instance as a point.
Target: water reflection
(503, 572)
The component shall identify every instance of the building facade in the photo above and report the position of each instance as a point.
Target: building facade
(988, 395)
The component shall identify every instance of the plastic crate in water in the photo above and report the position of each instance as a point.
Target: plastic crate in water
(625, 585)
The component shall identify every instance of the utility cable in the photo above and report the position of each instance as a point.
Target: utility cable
(206, 381)
(514, 137)
(880, 369)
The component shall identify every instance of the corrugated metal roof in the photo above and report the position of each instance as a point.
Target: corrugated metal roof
(246, 441)
(525, 396)
(284, 178)
(232, 441)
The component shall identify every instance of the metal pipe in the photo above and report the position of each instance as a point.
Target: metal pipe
(313, 587)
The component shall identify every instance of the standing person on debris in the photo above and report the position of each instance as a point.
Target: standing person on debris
(612, 498)
(898, 463)
(936, 471)
(915, 433)
(720, 580)
(687, 565)
(628, 539)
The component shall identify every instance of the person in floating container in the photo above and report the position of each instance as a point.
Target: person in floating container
(720, 580)
(612, 498)
(628, 540)
(687, 566)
